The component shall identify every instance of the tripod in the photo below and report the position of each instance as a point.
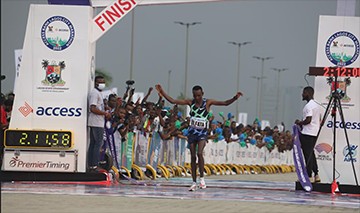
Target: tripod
(335, 103)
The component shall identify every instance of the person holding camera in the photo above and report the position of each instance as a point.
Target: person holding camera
(199, 123)
(96, 120)
(310, 126)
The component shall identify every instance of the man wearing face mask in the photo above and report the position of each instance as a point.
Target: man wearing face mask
(96, 119)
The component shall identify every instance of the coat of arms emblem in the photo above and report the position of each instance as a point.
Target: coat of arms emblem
(341, 88)
(53, 73)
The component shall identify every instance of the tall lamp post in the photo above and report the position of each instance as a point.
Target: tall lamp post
(132, 44)
(262, 59)
(238, 44)
(278, 92)
(257, 93)
(168, 86)
(187, 48)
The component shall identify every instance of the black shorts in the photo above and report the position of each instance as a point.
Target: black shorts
(196, 138)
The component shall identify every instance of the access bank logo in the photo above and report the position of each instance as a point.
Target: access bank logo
(324, 151)
(342, 48)
(51, 111)
(349, 125)
(26, 109)
(350, 152)
(57, 33)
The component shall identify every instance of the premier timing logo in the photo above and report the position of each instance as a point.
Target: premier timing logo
(17, 162)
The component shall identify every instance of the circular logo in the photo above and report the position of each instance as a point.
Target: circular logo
(57, 33)
(342, 48)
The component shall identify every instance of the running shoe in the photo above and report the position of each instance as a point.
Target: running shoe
(317, 179)
(192, 187)
(202, 184)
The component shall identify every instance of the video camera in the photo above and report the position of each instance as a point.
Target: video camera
(130, 83)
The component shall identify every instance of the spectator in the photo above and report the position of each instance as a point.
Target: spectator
(96, 120)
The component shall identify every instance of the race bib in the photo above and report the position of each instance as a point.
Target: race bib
(198, 123)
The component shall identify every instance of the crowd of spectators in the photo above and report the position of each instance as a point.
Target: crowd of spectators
(6, 102)
(169, 121)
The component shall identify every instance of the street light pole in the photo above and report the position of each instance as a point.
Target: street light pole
(239, 44)
(278, 92)
(168, 88)
(257, 93)
(261, 81)
(186, 49)
(132, 44)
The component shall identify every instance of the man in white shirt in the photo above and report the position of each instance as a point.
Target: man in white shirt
(96, 122)
(310, 128)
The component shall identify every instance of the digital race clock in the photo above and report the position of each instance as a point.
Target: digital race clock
(335, 71)
(15, 138)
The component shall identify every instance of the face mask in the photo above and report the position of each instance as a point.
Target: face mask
(101, 86)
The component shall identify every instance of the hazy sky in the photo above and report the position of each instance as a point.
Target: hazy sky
(283, 29)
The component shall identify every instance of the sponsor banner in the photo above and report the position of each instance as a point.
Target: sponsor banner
(127, 151)
(182, 148)
(177, 145)
(338, 46)
(154, 150)
(117, 138)
(19, 160)
(141, 148)
(174, 152)
(54, 80)
(18, 58)
(242, 119)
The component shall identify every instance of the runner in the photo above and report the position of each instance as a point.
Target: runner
(199, 122)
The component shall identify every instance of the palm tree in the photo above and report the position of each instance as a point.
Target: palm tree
(107, 77)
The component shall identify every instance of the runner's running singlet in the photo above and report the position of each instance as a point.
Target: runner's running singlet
(199, 119)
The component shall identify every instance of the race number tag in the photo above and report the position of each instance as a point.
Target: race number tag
(198, 123)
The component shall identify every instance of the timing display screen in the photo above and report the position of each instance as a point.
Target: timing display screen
(38, 139)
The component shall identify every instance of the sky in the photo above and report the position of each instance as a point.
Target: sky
(283, 29)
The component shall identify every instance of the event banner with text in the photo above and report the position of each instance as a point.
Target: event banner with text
(338, 46)
(55, 76)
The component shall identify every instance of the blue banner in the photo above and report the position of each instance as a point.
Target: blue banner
(299, 161)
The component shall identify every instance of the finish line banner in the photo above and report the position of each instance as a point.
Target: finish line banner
(116, 10)
(338, 46)
(105, 3)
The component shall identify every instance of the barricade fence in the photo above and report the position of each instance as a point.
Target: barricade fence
(147, 155)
